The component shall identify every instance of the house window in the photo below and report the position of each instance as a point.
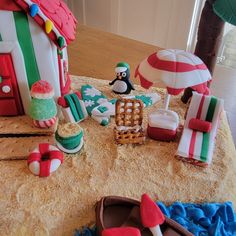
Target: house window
(227, 52)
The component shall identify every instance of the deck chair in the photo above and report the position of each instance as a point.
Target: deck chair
(197, 142)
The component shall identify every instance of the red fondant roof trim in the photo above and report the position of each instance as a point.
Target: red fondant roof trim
(56, 11)
(9, 5)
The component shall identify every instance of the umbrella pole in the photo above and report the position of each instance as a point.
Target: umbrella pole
(167, 101)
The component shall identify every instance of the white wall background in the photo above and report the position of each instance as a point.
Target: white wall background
(165, 23)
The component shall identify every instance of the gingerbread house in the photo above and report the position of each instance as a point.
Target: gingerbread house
(34, 35)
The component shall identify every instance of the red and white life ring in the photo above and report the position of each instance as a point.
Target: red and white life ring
(44, 160)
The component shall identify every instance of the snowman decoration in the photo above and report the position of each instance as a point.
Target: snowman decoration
(122, 84)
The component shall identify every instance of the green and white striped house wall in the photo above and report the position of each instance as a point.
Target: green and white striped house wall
(32, 50)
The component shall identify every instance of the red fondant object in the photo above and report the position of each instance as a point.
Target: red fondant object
(58, 12)
(125, 231)
(10, 100)
(199, 125)
(45, 154)
(62, 102)
(151, 214)
(161, 134)
(9, 5)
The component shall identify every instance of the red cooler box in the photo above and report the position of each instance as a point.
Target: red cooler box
(162, 125)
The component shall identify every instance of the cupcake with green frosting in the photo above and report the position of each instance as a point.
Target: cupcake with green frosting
(43, 109)
(69, 137)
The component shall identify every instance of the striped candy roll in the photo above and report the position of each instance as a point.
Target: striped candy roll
(45, 123)
(44, 160)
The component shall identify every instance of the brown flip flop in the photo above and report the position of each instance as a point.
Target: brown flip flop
(113, 211)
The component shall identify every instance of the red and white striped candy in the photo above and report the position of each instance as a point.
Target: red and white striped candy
(44, 160)
(45, 123)
(176, 68)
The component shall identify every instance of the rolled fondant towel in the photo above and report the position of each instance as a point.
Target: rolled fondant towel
(196, 145)
(43, 109)
(93, 98)
(69, 137)
(73, 108)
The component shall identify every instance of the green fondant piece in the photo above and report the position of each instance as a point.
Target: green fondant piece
(27, 48)
(102, 109)
(70, 142)
(206, 136)
(61, 41)
(226, 10)
(60, 53)
(72, 106)
(123, 64)
(145, 99)
(0, 79)
(105, 122)
(91, 96)
(113, 101)
(0, 37)
(78, 106)
(42, 109)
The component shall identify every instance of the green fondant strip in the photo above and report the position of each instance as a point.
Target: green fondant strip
(102, 109)
(105, 122)
(211, 109)
(26, 44)
(78, 106)
(72, 106)
(145, 99)
(206, 136)
(0, 37)
(70, 142)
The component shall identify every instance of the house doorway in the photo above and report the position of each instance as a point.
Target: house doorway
(10, 101)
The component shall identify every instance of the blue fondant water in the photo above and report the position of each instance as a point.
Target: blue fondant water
(209, 219)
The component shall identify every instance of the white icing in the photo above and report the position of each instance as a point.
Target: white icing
(6, 89)
(119, 86)
(164, 119)
(136, 128)
(55, 163)
(34, 167)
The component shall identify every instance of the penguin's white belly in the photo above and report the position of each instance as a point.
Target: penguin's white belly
(120, 86)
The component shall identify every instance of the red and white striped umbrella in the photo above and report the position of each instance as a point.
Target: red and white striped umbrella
(178, 69)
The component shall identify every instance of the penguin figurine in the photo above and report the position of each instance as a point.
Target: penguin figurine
(122, 84)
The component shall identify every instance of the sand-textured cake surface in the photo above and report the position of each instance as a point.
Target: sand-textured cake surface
(59, 204)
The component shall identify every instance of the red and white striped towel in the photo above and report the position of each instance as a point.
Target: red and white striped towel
(196, 145)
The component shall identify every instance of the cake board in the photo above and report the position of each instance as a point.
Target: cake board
(18, 137)
(59, 204)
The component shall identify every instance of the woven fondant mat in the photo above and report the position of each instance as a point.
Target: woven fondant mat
(65, 201)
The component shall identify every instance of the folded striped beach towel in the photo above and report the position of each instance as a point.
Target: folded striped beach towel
(197, 142)
(73, 108)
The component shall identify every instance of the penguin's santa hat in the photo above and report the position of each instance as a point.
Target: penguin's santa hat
(121, 67)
